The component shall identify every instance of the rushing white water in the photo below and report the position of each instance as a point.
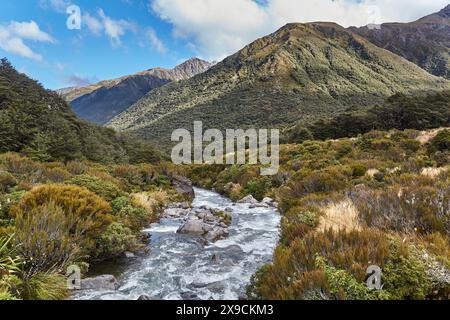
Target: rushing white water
(182, 267)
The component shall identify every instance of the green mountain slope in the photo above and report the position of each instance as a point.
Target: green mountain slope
(41, 124)
(301, 72)
(426, 42)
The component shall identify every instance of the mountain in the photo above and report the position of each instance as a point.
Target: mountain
(301, 72)
(40, 124)
(102, 101)
(426, 42)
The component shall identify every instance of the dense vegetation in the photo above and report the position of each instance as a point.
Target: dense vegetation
(55, 214)
(379, 199)
(37, 122)
(398, 112)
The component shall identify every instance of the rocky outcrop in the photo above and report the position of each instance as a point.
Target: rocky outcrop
(183, 186)
(208, 223)
(104, 282)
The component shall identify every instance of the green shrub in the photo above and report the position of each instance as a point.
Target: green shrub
(258, 187)
(105, 189)
(405, 276)
(120, 203)
(7, 181)
(80, 207)
(115, 240)
(358, 170)
(441, 142)
(49, 239)
(43, 286)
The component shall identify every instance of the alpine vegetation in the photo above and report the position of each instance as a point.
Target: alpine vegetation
(236, 143)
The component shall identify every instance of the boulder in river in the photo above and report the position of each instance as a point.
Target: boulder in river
(270, 202)
(248, 199)
(104, 282)
(183, 186)
(211, 224)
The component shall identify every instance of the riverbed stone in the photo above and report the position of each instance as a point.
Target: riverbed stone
(104, 282)
(175, 212)
(206, 222)
(248, 199)
(192, 226)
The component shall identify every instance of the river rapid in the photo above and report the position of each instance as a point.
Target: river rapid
(182, 267)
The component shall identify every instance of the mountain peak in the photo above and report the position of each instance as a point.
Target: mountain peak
(445, 12)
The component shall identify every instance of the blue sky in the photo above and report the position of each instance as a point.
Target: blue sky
(119, 37)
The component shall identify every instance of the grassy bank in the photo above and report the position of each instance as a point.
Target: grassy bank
(56, 214)
(379, 199)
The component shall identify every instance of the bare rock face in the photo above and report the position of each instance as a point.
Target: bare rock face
(208, 223)
(105, 282)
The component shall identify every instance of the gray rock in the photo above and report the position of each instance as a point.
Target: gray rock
(183, 186)
(192, 226)
(179, 205)
(105, 282)
(248, 199)
(175, 212)
(129, 255)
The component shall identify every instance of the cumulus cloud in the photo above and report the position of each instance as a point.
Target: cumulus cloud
(101, 24)
(12, 38)
(219, 28)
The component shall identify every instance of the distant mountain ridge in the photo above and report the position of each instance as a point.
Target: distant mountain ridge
(102, 101)
(301, 72)
(425, 42)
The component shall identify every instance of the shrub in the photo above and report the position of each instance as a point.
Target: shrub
(295, 274)
(405, 276)
(405, 209)
(44, 286)
(48, 239)
(7, 181)
(56, 175)
(258, 187)
(358, 170)
(79, 205)
(105, 189)
(76, 167)
(441, 142)
(115, 240)
(119, 203)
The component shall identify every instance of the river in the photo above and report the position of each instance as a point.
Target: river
(183, 267)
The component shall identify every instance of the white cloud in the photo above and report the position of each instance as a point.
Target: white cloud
(93, 24)
(219, 28)
(155, 42)
(113, 29)
(30, 31)
(57, 5)
(12, 38)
